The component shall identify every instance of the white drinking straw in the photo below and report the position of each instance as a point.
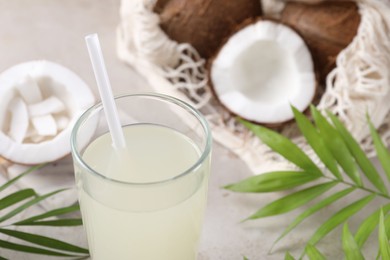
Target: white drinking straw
(103, 82)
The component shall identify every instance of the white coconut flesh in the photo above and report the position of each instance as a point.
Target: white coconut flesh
(39, 103)
(261, 71)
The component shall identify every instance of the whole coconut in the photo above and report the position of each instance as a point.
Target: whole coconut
(327, 29)
(204, 23)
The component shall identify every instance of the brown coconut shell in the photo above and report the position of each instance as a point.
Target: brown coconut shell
(204, 23)
(327, 29)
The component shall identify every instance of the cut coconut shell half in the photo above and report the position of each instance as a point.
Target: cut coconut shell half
(39, 104)
(261, 71)
(204, 23)
(327, 29)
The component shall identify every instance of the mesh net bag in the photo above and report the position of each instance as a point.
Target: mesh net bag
(358, 86)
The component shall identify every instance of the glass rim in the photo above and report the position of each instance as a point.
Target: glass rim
(162, 97)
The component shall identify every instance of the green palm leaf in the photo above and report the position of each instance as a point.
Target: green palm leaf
(16, 197)
(313, 253)
(368, 225)
(337, 146)
(44, 241)
(27, 205)
(30, 249)
(381, 150)
(313, 209)
(350, 247)
(12, 181)
(284, 147)
(288, 256)
(384, 247)
(272, 181)
(341, 154)
(54, 223)
(292, 201)
(387, 222)
(315, 140)
(340, 217)
(361, 158)
(51, 213)
(54, 247)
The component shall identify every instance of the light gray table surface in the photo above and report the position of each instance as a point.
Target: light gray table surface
(54, 30)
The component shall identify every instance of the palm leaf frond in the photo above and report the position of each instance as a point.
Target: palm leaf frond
(24, 199)
(51, 213)
(16, 197)
(69, 222)
(317, 143)
(350, 247)
(361, 158)
(384, 247)
(342, 156)
(284, 147)
(44, 241)
(272, 181)
(31, 249)
(368, 225)
(313, 253)
(340, 217)
(293, 201)
(313, 209)
(28, 204)
(288, 256)
(337, 146)
(381, 150)
(12, 181)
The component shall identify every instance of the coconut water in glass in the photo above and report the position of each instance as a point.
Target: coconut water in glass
(146, 201)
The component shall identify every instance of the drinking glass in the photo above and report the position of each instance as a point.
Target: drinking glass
(147, 202)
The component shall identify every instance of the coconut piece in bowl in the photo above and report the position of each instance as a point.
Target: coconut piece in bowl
(39, 104)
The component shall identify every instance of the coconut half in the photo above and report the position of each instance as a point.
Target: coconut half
(204, 23)
(261, 71)
(327, 28)
(39, 103)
